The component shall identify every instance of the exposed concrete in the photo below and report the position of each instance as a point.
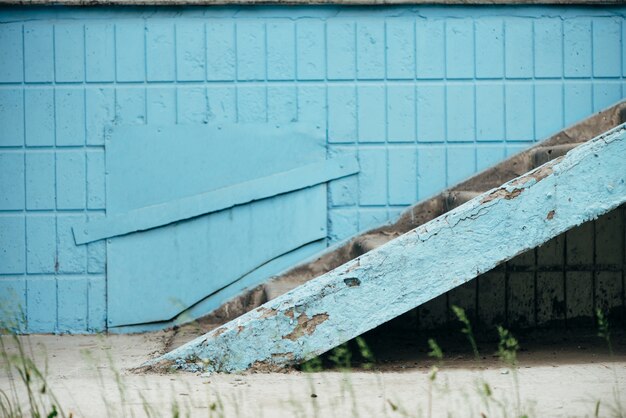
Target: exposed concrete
(408, 271)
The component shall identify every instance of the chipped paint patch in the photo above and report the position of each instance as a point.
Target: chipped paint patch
(352, 281)
(502, 194)
(266, 313)
(537, 175)
(219, 331)
(515, 187)
(305, 326)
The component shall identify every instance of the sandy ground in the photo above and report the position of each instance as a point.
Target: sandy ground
(90, 377)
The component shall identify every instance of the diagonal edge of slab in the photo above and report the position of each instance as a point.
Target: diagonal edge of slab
(154, 216)
(417, 266)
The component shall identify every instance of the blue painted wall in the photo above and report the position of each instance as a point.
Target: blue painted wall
(423, 96)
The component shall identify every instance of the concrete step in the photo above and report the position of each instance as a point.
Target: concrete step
(541, 155)
(366, 243)
(277, 287)
(454, 199)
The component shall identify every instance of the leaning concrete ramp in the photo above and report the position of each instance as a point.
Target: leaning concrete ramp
(419, 265)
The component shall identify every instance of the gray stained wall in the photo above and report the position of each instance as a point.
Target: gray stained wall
(558, 284)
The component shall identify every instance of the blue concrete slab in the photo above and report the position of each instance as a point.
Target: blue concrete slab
(420, 265)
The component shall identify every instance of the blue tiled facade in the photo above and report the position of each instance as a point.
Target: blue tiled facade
(425, 97)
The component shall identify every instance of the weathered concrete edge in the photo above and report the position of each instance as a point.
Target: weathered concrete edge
(163, 214)
(430, 208)
(409, 270)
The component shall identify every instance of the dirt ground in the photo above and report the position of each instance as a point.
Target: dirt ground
(558, 375)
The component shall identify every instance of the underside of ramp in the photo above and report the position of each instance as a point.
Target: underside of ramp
(416, 267)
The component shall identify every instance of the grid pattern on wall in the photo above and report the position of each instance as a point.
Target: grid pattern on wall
(424, 99)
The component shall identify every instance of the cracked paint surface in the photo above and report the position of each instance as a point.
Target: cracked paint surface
(419, 265)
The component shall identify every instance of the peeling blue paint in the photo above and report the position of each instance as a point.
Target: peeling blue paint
(420, 265)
